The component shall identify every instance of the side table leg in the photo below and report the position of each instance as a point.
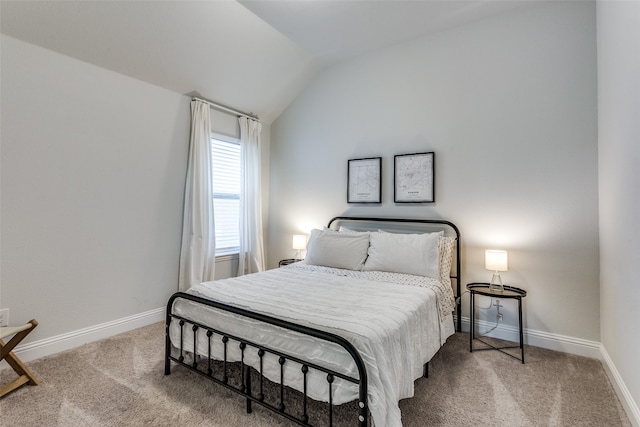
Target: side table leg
(521, 332)
(471, 320)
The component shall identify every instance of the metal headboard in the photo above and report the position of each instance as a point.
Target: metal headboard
(455, 275)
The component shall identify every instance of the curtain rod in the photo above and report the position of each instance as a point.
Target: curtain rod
(227, 109)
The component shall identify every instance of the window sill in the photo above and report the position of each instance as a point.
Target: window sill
(227, 257)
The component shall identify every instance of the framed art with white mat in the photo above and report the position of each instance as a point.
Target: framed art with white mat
(364, 180)
(414, 178)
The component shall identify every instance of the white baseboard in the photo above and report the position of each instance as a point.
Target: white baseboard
(622, 391)
(542, 339)
(45, 347)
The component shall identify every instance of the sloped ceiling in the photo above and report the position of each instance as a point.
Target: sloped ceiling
(255, 56)
(216, 48)
(334, 31)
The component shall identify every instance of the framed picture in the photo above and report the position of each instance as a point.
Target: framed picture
(414, 178)
(363, 180)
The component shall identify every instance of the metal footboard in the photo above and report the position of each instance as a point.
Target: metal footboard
(203, 365)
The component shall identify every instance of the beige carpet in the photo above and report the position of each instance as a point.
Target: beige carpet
(120, 381)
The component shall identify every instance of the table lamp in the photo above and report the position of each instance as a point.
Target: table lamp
(496, 261)
(299, 243)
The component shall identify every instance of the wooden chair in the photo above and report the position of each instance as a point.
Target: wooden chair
(25, 376)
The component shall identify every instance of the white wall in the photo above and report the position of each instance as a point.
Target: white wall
(619, 157)
(93, 167)
(509, 106)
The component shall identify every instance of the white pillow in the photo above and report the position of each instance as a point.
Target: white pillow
(447, 243)
(416, 254)
(331, 249)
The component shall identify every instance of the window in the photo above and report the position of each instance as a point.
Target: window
(225, 163)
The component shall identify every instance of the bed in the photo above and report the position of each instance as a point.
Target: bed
(357, 321)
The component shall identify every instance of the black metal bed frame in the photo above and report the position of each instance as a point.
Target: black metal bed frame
(244, 388)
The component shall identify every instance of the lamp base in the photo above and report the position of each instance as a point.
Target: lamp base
(496, 283)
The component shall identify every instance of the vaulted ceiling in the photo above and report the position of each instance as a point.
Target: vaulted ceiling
(252, 55)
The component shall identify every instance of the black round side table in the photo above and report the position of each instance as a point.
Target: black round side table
(509, 292)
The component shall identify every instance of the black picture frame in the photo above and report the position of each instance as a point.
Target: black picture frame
(364, 180)
(414, 178)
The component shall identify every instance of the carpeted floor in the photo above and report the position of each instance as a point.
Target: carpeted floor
(120, 381)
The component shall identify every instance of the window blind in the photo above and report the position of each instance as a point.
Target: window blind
(225, 156)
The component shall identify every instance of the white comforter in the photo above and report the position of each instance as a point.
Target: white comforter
(396, 328)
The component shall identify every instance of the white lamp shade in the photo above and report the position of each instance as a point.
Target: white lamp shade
(495, 260)
(299, 241)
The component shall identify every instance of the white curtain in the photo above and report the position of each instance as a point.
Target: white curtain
(251, 256)
(198, 252)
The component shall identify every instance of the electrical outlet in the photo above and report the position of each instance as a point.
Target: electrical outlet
(4, 317)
